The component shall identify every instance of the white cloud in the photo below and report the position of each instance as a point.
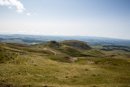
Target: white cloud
(28, 14)
(13, 3)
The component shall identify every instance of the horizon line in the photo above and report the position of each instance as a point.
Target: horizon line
(64, 36)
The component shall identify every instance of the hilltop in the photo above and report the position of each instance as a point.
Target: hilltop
(77, 44)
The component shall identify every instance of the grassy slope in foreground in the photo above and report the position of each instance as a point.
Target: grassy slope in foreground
(36, 68)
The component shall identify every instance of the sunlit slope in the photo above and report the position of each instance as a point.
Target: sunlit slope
(43, 65)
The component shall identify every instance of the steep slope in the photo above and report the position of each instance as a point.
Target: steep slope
(70, 47)
(76, 44)
(71, 51)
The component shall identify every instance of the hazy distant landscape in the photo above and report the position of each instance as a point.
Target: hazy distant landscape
(30, 39)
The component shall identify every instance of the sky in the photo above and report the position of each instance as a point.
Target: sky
(101, 18)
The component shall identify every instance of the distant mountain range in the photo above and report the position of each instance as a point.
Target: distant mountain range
(34, 39)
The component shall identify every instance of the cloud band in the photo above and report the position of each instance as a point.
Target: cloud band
(13, 3)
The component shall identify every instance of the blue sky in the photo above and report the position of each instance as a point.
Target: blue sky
(102, 18)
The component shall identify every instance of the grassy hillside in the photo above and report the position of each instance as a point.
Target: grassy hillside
(55, 64)
(76, 44)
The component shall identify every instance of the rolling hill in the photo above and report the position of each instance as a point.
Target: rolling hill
(69, 63)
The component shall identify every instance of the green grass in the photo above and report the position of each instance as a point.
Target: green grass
(71, 51)
(6, 55)
(35, 69)
(94, 53)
